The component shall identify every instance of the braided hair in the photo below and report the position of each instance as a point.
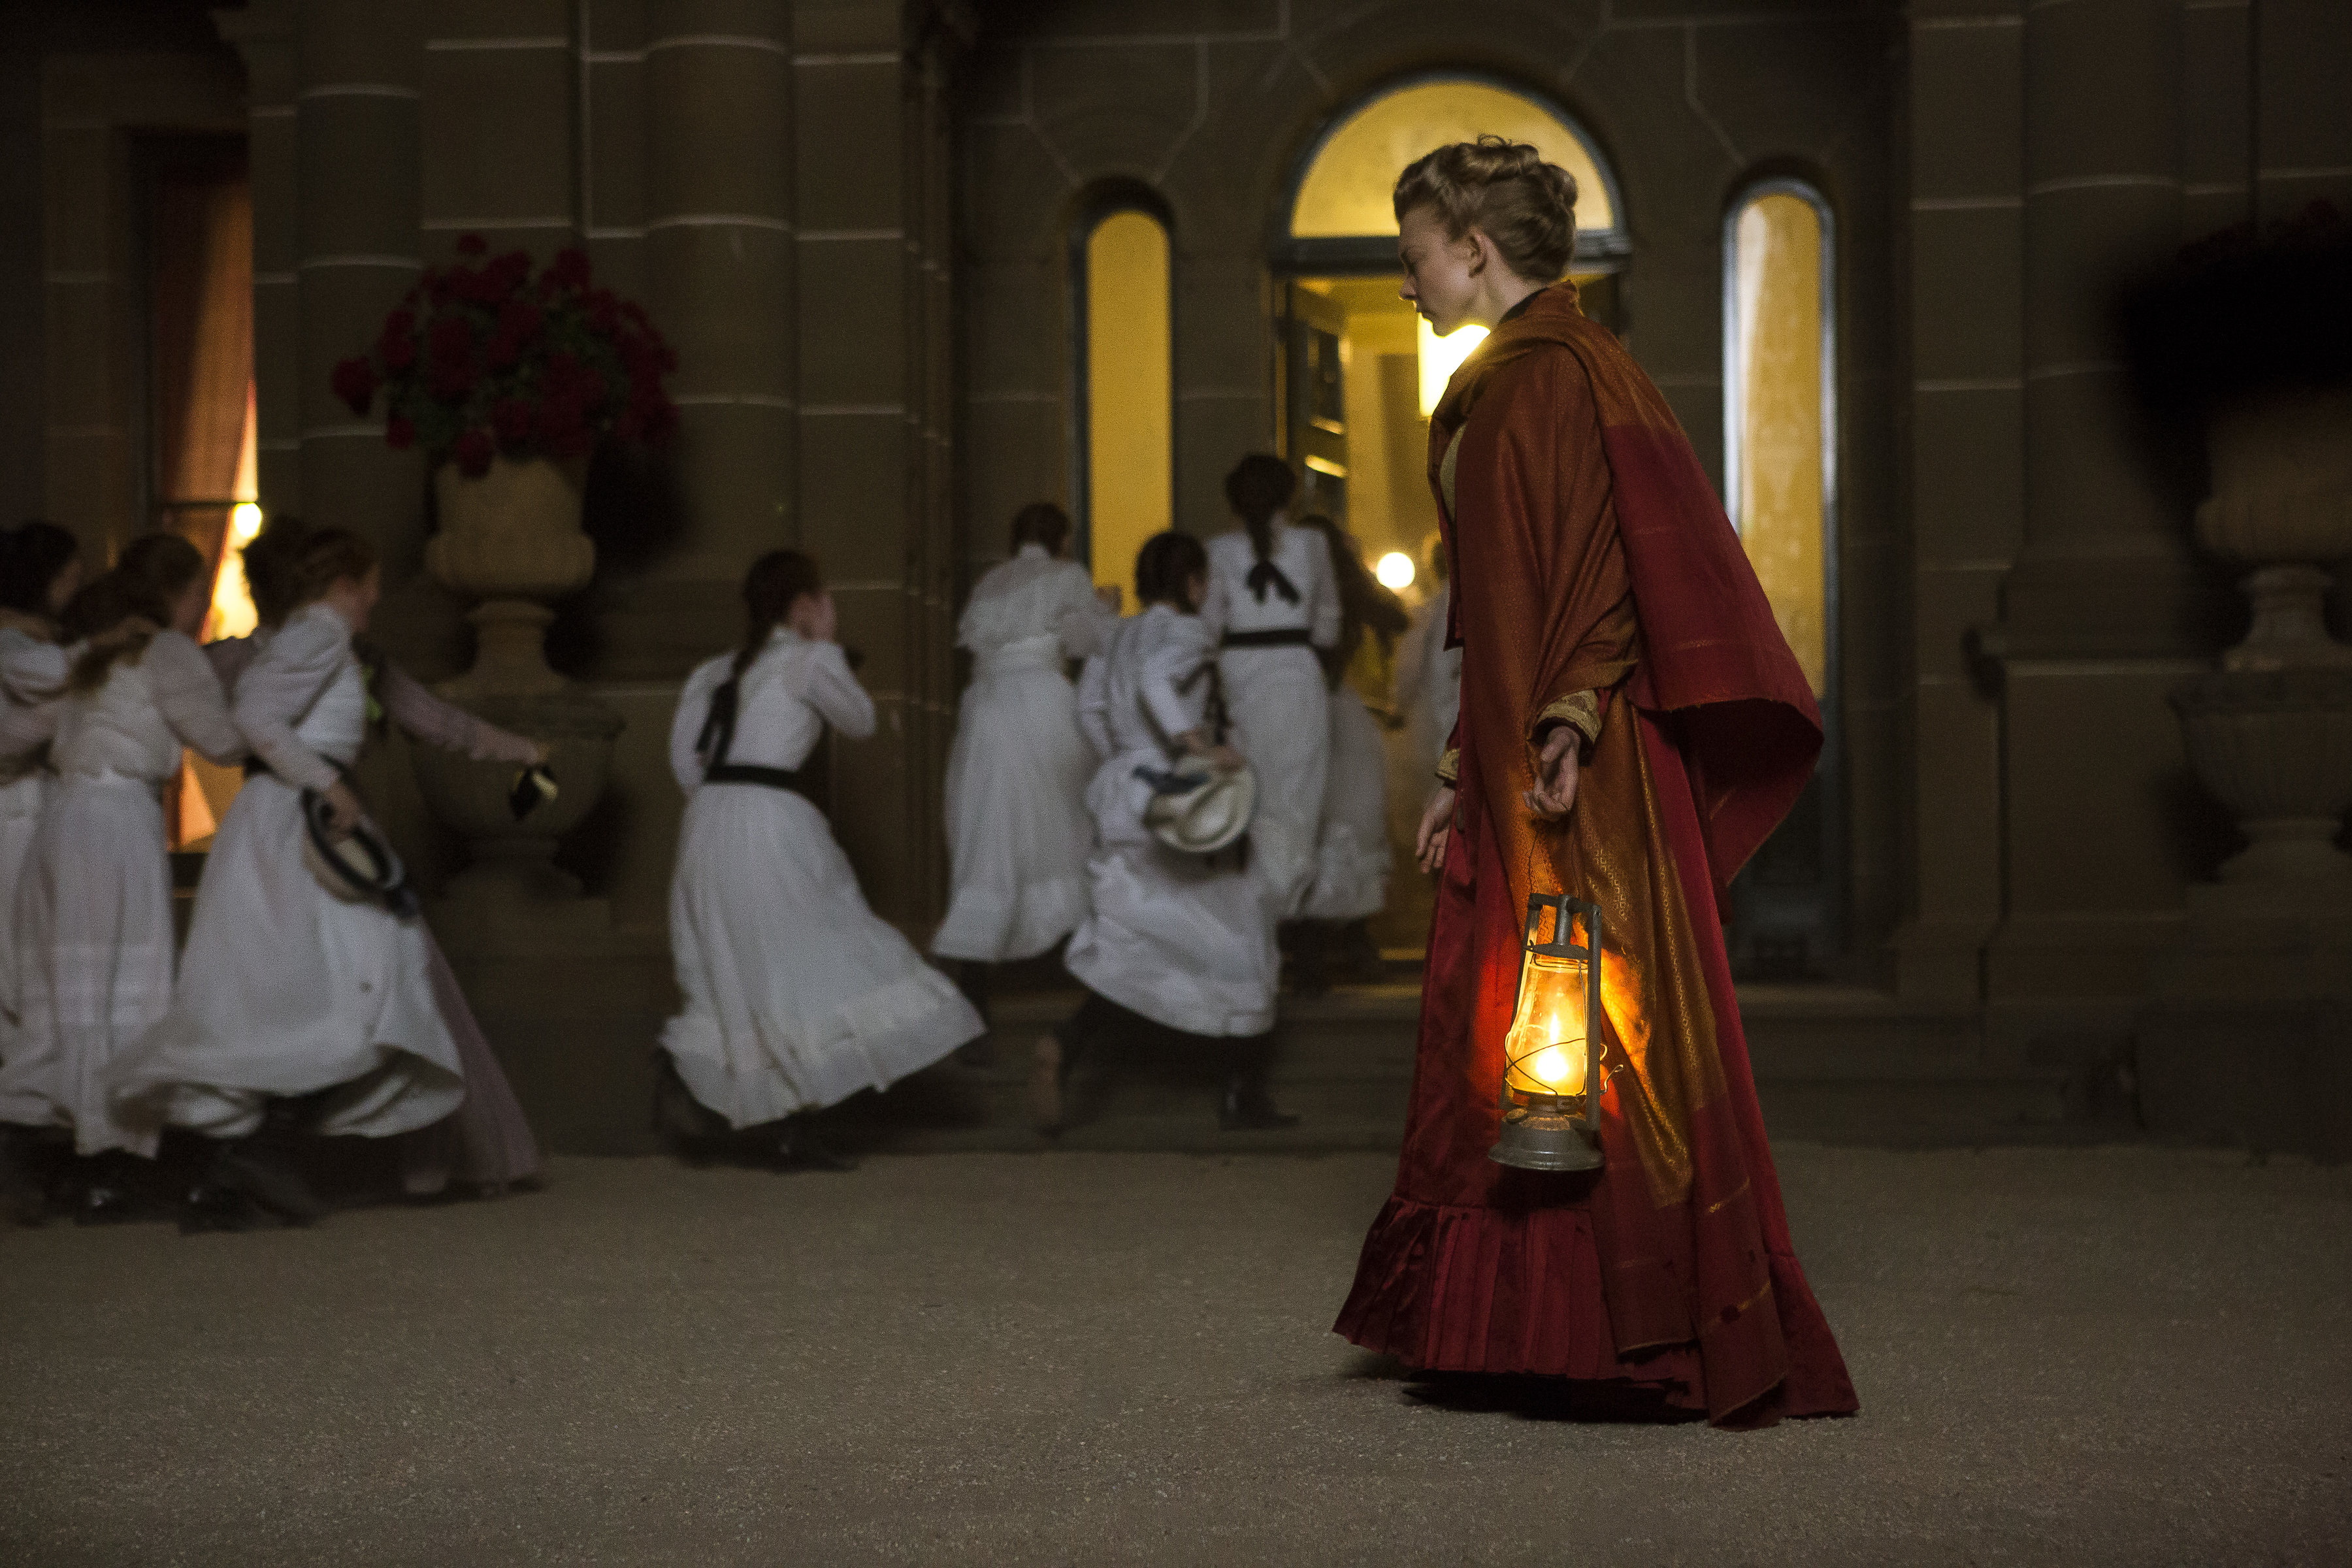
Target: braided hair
(1260, 485)
(1505, 190)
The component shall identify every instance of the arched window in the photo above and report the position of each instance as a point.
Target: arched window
(1361, 371)
(1126, 447)
(1780, 399)
(1779, 482)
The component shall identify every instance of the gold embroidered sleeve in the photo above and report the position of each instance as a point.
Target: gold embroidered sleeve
(1449, 766)
(1580, 711)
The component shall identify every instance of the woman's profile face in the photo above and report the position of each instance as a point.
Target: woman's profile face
(1441, 273)
(1196, 588)
(63, 586)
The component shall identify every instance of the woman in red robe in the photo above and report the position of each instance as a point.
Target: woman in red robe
(1632, 726)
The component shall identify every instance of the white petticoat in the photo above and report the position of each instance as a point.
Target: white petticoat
(1351, 855)
(286, 989)
(796, 995)
(1181, 940)
(21, 801)
(92, 957)
(1281, 716)
(1016, 814)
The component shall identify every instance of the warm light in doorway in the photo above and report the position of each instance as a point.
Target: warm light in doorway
(1394, 570)
(232, 613)
(1440, 357)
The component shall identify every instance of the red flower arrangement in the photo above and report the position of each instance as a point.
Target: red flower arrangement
(481, 358)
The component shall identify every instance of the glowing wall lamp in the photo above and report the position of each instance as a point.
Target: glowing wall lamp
(1551, 1058)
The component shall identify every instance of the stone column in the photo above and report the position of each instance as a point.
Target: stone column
(356, 247)
(499, 126)
(1966, 467)
(2303, 129)
(2105, 610)
(861, 405)
(719, 281)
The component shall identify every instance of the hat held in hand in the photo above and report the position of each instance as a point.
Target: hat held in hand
(360, 866)
(1200, 811)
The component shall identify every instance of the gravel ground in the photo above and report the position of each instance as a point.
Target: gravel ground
(2119, 1355)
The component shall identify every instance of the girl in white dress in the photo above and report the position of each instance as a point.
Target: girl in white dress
(294, 1004)
(1272, 601)
(1183, 942)
(1017, 813)
(40, 568)
(797, 995)
(93, 955)
(487, 1146)
(1351, 851)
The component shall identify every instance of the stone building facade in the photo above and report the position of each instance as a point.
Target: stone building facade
(855, 220)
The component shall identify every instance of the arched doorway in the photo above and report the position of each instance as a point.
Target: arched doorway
(1360, 370)
(1359, 373)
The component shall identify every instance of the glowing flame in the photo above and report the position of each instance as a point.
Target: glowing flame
(1394, 570)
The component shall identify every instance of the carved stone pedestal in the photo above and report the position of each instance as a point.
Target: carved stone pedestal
(511, 540)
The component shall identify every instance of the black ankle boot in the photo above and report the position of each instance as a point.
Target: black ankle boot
(695, 1131)
(24, 1170)
(112, 1188)
(248, 1184)
(793, 1147)
(1246, 1106)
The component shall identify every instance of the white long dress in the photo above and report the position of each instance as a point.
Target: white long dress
(1429, 688)
(1351, 851)
(285, 989)
(487, 1141)
(32, 679)
(1017, 789)
(796, 995)
(1184, 940)
(93, 917)
(1274, 695)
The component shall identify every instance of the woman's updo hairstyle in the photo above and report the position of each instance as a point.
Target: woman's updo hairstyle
(98, 607)
(776, 582)
(1041, 522)
(1504, 189)
(156, 570)
(1166, 565)
(273, 568)
(31, 556)
(322, 558)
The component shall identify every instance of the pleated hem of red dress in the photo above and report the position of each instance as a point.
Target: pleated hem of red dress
(1464, 1288)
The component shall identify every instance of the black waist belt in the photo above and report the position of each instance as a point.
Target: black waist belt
(801, 782)
(1287, 636)
(256, 768)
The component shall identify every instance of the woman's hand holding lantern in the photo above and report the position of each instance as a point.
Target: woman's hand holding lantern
(1556, 770)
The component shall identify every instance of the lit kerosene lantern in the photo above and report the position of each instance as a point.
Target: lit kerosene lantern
(1551, 1058)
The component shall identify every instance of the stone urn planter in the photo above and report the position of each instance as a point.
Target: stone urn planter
(510, 541)
(2281, 503)
(2276, 748)
(2271, 734)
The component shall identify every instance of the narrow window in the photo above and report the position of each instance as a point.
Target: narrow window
(1128, 486)
(1779, 385)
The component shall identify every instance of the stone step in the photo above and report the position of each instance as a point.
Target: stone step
(1845, 1067)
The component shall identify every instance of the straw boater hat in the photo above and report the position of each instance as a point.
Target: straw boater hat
(360, 868)
(1202, 813)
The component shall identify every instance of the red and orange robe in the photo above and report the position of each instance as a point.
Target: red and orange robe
(1597, 584)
